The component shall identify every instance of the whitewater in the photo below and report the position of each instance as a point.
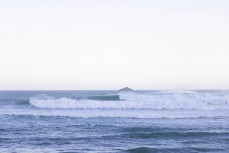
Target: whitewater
(111, 121)
(161, 100)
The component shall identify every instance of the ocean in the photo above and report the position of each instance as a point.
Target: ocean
(112, 122)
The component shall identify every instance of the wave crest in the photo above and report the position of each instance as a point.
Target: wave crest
(68, 103)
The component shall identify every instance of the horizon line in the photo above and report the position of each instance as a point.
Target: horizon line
(210, 89)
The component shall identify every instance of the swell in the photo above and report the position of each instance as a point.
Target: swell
(141, 150)
(172, 150)
(14, 101)
(174, 135)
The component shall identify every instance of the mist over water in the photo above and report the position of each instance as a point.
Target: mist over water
(108, 121)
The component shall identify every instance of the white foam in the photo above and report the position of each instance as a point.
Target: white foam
(159, 101)
(181, 100)
(67, 103)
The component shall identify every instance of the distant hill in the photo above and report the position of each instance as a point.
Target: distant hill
(126, 89)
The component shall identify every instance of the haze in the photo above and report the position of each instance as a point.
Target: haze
(109, 44)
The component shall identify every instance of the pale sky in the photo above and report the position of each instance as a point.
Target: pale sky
(109, 44)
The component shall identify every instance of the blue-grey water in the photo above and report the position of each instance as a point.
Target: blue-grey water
(108, 121)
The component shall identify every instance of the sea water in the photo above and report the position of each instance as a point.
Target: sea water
(108, 121)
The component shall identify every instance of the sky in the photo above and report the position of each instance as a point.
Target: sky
(110, 44)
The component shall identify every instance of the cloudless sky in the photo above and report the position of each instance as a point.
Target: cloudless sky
(109, 44)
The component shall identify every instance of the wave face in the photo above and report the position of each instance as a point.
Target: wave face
(132, 100)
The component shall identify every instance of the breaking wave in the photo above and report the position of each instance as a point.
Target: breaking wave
(131, 100)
